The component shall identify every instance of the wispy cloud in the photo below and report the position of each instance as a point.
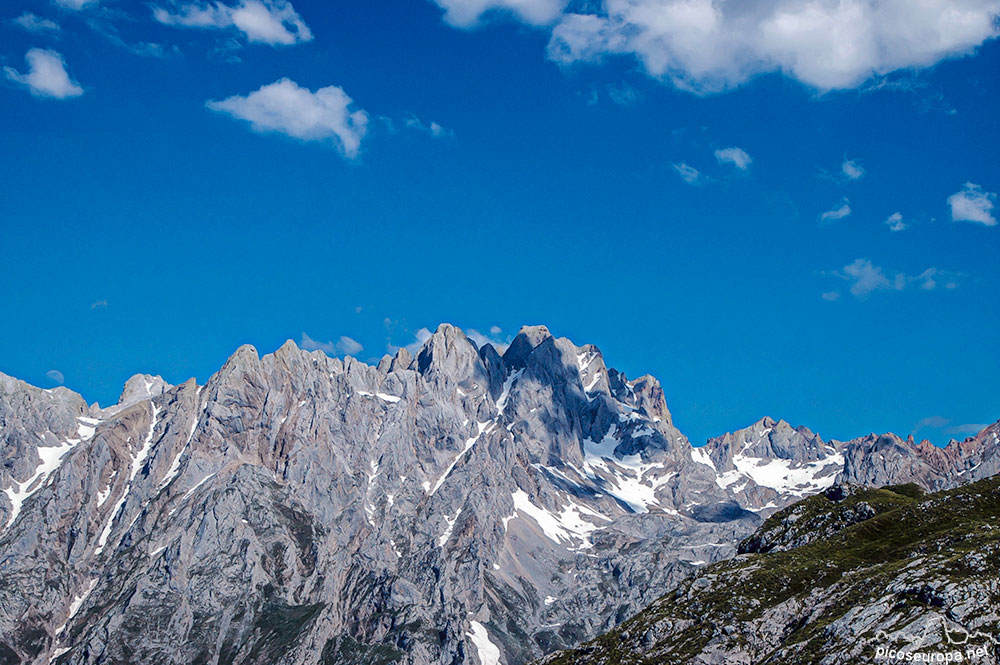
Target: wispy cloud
(738, 157)
(935, 422)
(624, 95)
(99, 304)
(56, 376)
(287, 108)
(866, 278)
(831, 296)
(852, 170)
(468, 13)
(419, 338)
(972, 204)
(492, 338)
(895, 222)
(838, 212)
(46, 75)
(688, 173)
(35, 23)
(969, 429)
(273, 22)
(344, 345)
(75, 5)
(942, 423)
(432, 128)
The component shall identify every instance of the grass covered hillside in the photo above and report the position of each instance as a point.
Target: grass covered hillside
(853, 575)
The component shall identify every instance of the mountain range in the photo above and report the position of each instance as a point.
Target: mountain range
(453, 505)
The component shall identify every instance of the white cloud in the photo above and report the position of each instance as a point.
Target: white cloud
(866, 278)
(75, 5)
(344, 345)
(272, 22)
(493, 338)
(895, 222)
(831, 296)
(624, 95)
(55, 375)
(840, 212)
(738, 157)
(970, 429)
(35, 23)
(713, 45)
(935, 422)
(466, 13)
(688, 173)
(99, 304)
(434, 129)
(47, 76)
(851, 169)
(972, 204)
(419, 338)
(287, 108)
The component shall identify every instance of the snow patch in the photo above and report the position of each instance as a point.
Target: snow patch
(505, 391)
(489, 653)
(451, 526)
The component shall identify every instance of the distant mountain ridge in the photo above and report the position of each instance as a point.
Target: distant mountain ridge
(451, 506)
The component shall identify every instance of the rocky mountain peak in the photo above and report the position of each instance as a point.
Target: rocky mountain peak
(449, 357)
(142, 387)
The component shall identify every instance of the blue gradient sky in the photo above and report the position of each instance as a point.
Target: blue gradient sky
(141, 231)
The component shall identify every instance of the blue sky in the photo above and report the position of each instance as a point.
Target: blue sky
(782, 209)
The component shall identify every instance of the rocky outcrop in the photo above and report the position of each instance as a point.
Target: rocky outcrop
(896, 576)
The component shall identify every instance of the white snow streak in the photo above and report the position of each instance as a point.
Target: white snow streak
(140, 459)
(51, 458)
(489, 653)
(468, 445)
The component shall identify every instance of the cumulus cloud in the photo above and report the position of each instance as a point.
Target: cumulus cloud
(738, 157)
(272, 22)
(35, 23)
(851, 169)
(713, 45)
(895, 222)
(344, 345)
(866, 278)
(55, 375)
(467, 13)
(46, 76)
(287, 108)
(687, 173)
(972, 204)
(839, 212)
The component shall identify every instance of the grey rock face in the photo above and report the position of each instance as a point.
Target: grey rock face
(456, 506)
(772, 464)
(453, 506)
(889, 460)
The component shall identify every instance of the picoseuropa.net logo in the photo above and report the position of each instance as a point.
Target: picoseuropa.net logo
(959, 646)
